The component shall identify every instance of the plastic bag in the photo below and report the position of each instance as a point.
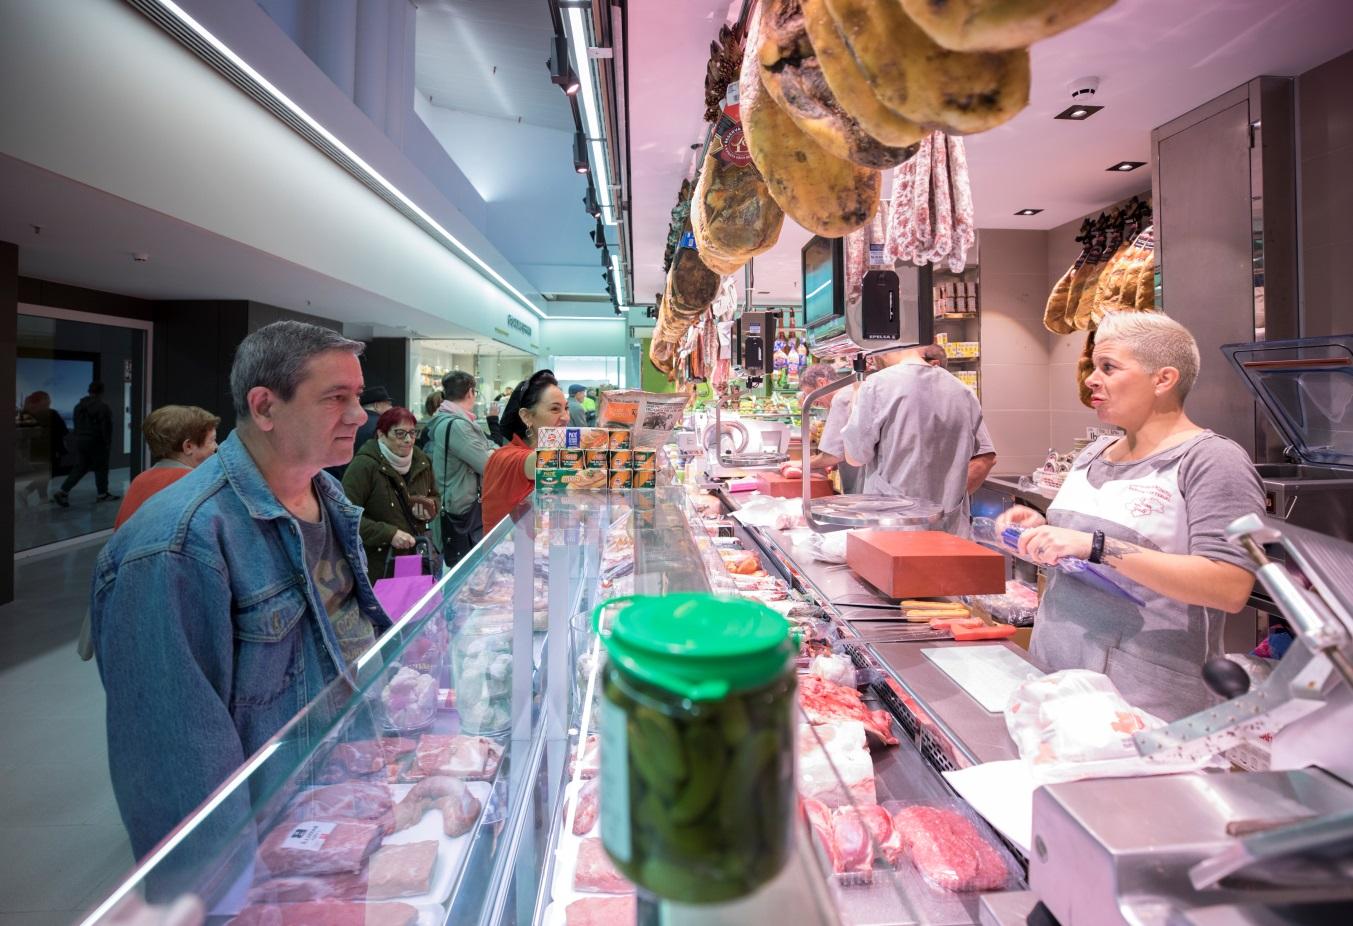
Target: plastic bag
(1074, 716)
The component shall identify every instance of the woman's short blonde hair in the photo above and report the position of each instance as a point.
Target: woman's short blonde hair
(169, 426)
(1157, 341)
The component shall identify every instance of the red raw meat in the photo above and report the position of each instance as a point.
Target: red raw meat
(351, 800)
(595, 873)
(825, 702)
(459, 807)
(601, 911)
(319, 847)
(886, 838)
(474, 758)
(591, 759)
(948, 851)
(363, 757)
(854, 847)
(589, 804)
(324, 913)
(820, 819)
(393, 871)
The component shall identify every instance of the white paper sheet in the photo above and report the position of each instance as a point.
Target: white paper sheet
(988, 673)
(1003, 793)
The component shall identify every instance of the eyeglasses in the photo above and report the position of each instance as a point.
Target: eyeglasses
(403, 434)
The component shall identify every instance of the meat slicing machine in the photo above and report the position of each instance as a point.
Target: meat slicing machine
(1228, 847)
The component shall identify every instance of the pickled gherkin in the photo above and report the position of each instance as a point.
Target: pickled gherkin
(704, 690)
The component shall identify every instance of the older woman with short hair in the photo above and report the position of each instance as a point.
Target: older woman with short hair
(180, 438)
(391, 481)
(1154, 504)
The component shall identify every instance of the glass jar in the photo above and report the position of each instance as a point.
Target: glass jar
(697, 744)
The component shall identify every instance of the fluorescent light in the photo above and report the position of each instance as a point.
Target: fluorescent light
(577, 36)
(619, 285)
(328, 136)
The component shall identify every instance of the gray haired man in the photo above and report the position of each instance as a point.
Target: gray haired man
(238, 593)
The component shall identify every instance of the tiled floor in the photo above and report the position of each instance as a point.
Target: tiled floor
(62, 846)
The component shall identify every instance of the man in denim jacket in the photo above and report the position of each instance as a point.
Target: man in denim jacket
(233, 597)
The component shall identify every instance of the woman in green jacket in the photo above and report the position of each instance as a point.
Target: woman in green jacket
(391, 480)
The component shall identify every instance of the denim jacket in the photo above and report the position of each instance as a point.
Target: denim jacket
(211, 635)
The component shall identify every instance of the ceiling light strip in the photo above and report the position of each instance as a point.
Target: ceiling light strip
(176, 21)
(578, 41)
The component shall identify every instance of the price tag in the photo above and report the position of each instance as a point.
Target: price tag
(308, 837)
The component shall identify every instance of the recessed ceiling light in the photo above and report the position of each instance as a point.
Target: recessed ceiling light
(1124, 166)
(1078, 113)
(1029, 212)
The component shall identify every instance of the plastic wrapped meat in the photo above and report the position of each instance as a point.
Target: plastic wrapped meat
(601, 911)
(948, 851)
(595, 874)
(393, 871)
(410, 699)
(824, 703)
(327, 913)
(836, 749)
(589, 805)
(352, 800)
(474, 758)
(855, 849)
(458, 806)
(591, 759)
(319, 847)
(820, 821)
(836, 668)
(886, 838)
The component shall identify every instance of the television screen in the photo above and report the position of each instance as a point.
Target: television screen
(819, 281)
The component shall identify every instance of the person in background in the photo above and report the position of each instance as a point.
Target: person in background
(829, 453)
(510, 475)
(459, 452)
(577, 412)
(494, 420)
(590, 406)
(181, 438)
(934, 355)
(920, 432)
(42, 434)
(93, 444)
(235, 595)
(1154, 504)
(391, 481)
(376, 402)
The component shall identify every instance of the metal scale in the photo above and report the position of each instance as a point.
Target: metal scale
(876, 318)
(1268, 847)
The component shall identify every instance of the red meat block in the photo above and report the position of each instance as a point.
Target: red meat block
(589, 805)
(324, 913)
(825, 702)
(820, 819)
(351, 800)
(393, 871)
(474, 758)
(319, 847)
(601, 911)
(886, 838)
(855, 848)
(595, 873)
(450, 795)
(948, 851)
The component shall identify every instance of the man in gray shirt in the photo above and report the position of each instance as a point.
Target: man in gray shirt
(577, 412)
(460, 449)
(920, 432)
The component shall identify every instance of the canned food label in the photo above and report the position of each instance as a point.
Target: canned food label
(615, 780)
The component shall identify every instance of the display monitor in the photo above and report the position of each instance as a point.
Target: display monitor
(823, 284)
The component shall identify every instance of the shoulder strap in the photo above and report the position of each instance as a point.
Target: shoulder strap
(446, 460)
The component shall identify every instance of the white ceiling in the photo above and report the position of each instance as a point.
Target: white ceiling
(1157, 59)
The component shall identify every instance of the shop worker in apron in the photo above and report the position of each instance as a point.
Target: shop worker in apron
(1153, 504)
(920, 433)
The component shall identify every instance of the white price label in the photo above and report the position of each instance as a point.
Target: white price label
(308, 837)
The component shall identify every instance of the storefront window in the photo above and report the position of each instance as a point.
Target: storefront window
(496, 370)
(80, 388)
(591, 371)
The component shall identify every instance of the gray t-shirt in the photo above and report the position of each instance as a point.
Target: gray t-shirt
(1179, 500)
(916, 427)
(333, 578)
(838, 413)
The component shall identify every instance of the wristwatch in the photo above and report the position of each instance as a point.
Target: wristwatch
(1097, 547)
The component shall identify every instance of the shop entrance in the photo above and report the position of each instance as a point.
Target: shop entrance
(69, 465)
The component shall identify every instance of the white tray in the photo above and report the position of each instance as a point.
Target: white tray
(451, 852)
(988, 673)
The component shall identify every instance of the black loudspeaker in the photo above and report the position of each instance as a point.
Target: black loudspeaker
(880, 319)
(756, 340)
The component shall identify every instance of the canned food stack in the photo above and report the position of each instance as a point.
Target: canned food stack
(592, 459)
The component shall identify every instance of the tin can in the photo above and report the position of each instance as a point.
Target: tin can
(594, 438)
(621, 459)
(622, 478)
(645, 459)
(585, 480)
(620, 438)
(596, 459)
(551, 438)
(571, 459)
(547, 459)
(550, 479)
(645, 479)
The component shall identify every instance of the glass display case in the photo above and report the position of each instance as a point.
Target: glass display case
(438, 781)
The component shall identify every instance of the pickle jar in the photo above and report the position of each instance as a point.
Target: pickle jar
(697, 744)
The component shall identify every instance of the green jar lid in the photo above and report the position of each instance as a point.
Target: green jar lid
(700, 647)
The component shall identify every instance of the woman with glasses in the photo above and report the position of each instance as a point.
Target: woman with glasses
(391, 481)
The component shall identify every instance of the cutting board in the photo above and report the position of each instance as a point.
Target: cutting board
(924, 564)
(792, 487)
(988, 673)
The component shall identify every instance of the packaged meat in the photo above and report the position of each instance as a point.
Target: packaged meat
(591, 763)
(327, 913)
(836, 668)
(459, 808)
(819, 818)
(360, 758)
(595, 873)
(319, 847)
(1074, 716)
(948, 851)
(589, 804)
(854, 846)
(833, 755)
(393, 871)
(410, 700)
(473, 758)
(601, 911)
(824, 702)
(351, 800)
(887, 841)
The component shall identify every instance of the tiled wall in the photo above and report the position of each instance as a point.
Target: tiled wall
(1325, 127)
(1014, 346)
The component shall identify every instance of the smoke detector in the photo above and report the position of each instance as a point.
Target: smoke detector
(1083, 88)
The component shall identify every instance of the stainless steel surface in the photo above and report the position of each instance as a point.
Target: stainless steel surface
(979, 735)
(1009, 908)
(753, 459)
(882, 511)
(1118, 851)
(1011, 486)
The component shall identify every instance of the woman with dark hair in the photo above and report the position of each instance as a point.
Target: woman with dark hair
(391, 481)
(510, 474)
